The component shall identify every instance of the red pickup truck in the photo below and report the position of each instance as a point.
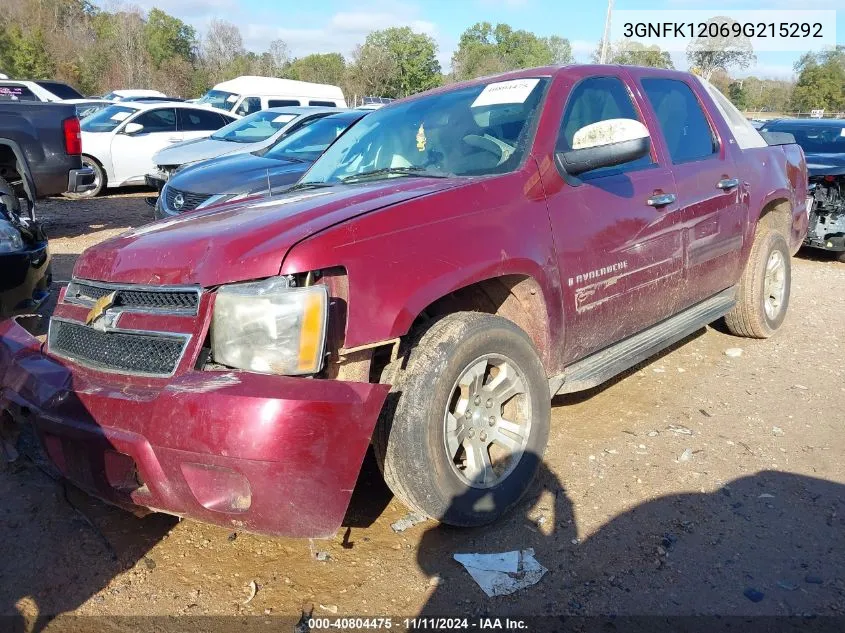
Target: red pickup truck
(445, 268)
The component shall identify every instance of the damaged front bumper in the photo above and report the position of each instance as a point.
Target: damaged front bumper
(268, 454)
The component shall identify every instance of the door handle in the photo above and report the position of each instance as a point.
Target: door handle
(727, 183)
(173, 139)
(661, 199)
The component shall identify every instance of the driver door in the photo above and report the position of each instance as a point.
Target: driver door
(132, 154)
(619, 248)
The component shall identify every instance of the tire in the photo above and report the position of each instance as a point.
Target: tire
(762, 305)
(9, 198)
(432, 468)
(840, 257)
(99, 180)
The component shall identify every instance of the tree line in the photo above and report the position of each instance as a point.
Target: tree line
(98, 50)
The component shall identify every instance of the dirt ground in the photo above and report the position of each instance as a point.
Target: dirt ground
(699, 483)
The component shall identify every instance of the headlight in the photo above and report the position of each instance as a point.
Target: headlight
(10, 238)
(270, 327)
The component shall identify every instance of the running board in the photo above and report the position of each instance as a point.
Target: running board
(601, 366)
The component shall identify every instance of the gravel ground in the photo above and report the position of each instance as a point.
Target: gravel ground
(699, 483)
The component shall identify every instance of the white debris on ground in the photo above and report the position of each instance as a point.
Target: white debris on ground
(505, 573)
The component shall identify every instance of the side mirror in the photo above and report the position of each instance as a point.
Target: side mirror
(132, 128)
(605, 144)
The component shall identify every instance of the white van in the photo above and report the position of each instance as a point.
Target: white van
(248, 94)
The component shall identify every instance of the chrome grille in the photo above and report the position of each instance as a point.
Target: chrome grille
(191, 200)
(145, 353)
(175, 300)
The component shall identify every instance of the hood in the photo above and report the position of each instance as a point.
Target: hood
(240, 243)
(825, 164)
(241, 173)
(198, 149)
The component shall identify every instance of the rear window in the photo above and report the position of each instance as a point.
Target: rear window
(62, 91)
(17, 92)
(282, 103)
(744, 132)
(327, 104)
(814, 139)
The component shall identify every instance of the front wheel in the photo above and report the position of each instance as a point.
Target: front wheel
(469, 422)
(763, 295)
(99, 180)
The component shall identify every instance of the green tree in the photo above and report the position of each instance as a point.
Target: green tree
(168, 37)
(706, 55)
(485, 49)
(327, 68)
(25, 54)
(631, 53)
(738, 95)
(415, 60)
(370, 74)
(821, 82)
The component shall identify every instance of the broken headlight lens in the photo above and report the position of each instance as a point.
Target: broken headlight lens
(11, 240)
(270, 327)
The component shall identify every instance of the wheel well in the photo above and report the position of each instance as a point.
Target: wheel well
(96, 160)
(517, 298)
(8, 164)
(777, 215)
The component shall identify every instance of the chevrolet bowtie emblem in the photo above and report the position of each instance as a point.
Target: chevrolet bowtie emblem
(100, 306)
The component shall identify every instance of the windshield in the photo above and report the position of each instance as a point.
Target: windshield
(478, 130)
(219, 99)
(815, 139)
(255, 127)
(107, 119)
(87, 109)
(307, 143)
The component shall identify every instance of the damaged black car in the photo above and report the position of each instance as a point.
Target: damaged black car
(24, 258)
(823, 142)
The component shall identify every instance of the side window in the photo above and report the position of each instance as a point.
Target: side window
(163, 120)
(249, 105)
(593, 100)
(328, 104)
(282, 103)
(198, 120)
(683, 123)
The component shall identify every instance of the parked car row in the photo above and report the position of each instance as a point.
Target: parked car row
(119, 141)
(255, 132)
(39, 156)
(443, 269)
(261, 173)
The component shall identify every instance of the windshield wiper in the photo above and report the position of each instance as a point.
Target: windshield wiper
(388, 171)
(309, 185)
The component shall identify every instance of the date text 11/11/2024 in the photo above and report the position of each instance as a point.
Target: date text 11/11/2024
(418, 624)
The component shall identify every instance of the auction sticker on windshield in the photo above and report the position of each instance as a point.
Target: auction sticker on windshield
(120, 116)
(513, 91)
(284, 118)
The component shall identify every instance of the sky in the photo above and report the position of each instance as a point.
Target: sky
(328, 26)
